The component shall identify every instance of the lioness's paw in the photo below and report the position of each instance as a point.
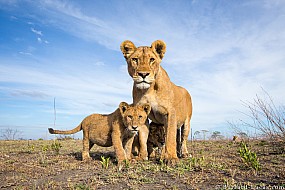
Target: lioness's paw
(186, 155)
(86, 157)
(171, 162)
(123, 164)
(139, 158)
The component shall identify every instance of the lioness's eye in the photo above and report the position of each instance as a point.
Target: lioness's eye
(151, 60)
(130, 117)
(140, 117)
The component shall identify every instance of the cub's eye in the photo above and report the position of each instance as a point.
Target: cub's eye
(140, 117)
(151, 60)
(135, 60)
(130, 117)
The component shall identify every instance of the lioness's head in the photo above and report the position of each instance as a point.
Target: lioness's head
(134, 116)
(143, 62)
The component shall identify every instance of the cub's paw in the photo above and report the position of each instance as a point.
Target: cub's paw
(123, 164)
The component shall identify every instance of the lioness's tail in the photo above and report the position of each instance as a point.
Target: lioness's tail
(75, 130)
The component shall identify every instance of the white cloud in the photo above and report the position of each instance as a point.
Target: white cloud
(25, 53)
(38, 32)
(99, 63)
(29, 93)
(28, 51)
(39, 40)
(79, 95)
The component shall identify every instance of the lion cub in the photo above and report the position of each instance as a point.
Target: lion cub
(156, 140)
(118, 129)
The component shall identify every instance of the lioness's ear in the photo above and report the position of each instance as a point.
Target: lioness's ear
(128, 48)
(159, 47)
(123, 107)
(146, 108)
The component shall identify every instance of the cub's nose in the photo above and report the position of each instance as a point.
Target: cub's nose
(134, 127)
(143, 74)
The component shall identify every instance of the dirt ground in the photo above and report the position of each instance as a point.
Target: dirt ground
(39, 164)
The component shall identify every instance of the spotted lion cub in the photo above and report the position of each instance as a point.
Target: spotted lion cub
(118, 129)
(156, 140)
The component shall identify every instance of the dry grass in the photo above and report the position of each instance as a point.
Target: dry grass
(214, 165)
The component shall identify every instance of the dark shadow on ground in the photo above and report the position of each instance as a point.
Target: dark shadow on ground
(95, 155)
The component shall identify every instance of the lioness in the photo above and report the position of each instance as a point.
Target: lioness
(171, 105)
(118, 129)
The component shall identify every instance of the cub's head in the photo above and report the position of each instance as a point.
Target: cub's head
(134, 117)
(156, 135)
(143, 62)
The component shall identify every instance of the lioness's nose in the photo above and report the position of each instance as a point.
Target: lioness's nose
(134, 127)
(143, 74)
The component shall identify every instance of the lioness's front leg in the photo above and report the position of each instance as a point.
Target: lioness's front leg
(170, 155)
(184, 138)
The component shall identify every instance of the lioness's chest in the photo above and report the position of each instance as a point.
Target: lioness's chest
(158, 110)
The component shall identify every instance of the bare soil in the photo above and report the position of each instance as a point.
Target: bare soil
(36, 164)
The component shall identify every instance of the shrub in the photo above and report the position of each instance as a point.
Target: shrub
(249, 158)
(55, 146)
(105, 162)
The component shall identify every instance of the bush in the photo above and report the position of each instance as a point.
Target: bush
(248, 157)
(267, 118)
(55, 146)
(105, 162)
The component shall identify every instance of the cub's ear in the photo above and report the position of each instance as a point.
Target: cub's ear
(152, 126)
(159, 47)
(146, 108)
(128, 48)
(123, 107)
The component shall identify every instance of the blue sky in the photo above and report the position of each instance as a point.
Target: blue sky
(223, 52)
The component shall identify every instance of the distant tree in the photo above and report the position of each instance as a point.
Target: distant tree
(216, 135)
(65, 137)
(204, 133)
(243, 135)
(197, 133)
(10, 134)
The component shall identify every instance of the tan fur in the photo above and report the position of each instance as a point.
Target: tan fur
(117, 129)
(171, 105)
(236, 139)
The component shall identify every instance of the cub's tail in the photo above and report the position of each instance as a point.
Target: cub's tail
(75, 130)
